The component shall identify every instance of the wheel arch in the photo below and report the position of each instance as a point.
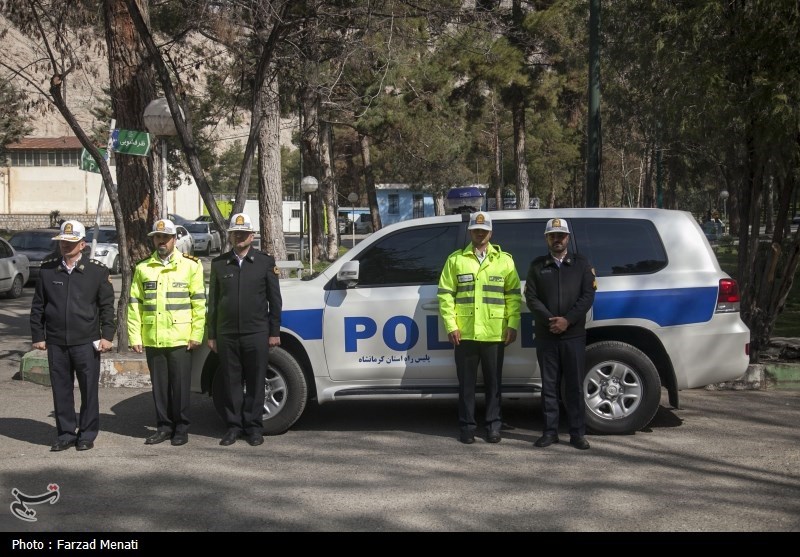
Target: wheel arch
(646, 341)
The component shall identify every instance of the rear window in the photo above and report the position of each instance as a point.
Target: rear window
(613, 246)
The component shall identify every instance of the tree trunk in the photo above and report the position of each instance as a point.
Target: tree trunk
(369, 181)
(520, 160)
(270, 191)
(131, 90)
(329, 246)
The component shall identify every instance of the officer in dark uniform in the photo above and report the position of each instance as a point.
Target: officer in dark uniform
(72, 317)
(244, 321)
(559, 291)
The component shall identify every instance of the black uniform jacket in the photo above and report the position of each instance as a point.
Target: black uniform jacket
(566, 291)
(70, 309)
(244, 300)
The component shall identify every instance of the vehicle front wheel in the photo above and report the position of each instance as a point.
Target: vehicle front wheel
(16, 288)
(285, 394)
(115, 266)
(621, 388)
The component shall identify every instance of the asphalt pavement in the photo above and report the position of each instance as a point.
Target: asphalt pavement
(726, 463)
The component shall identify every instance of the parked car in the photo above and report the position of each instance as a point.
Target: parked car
(177, 219)
(206, 237)
(14, 270)
(37, 245)
(204, 218)
(364, 224)
(665, 315)
(107, 249)
(184, 242)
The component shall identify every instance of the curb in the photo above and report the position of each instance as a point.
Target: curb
(130, 370)
(116, 370)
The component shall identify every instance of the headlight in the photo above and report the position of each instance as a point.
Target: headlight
(34, 264)
(101, 252)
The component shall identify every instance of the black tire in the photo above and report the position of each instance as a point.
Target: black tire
(285, 397)
(621, 388)
(16, 288)
(115, 266)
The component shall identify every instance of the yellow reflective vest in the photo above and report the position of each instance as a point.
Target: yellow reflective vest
(167, 303)
(480, 299)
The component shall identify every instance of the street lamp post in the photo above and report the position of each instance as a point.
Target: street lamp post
(309, 185)
(158, 121)
(352, 198)
(724, 196)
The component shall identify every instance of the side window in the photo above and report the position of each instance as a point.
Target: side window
(5, 250)
(620, 246)
(524, 240)
(411, 256)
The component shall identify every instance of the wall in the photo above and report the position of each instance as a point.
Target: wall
(28, 194)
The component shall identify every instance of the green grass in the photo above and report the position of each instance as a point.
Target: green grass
(788, 322)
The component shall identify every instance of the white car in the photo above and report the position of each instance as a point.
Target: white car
(665, 316)
(106, 251)
(206, 237)
(14, 270)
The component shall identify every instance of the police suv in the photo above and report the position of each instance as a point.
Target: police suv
(368, 327)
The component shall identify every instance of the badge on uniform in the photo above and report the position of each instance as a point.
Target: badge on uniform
(150, 285)
(276, 270)
(466, 278)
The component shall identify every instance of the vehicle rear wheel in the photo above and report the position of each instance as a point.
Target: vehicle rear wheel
(286, 392)
(621, 388)
(16, 288)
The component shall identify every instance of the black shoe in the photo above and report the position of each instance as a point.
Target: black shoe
(62, 445)
(84, 445)
(179, 440)
(467, 437)
(493, 437)
(255, 440)
(157, 437)
(230, 438)
(546, 440)
(579, 443)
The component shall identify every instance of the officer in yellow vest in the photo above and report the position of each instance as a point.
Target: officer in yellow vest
(166, 316)
(479, 300)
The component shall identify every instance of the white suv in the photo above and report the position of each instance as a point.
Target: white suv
(368, 327)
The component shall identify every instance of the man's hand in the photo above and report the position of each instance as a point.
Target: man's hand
(105, 345)
(40, 345)
(455, 337)
(558, 325)
(274, 341)
(510, 336)
(136, 348)
(192, 345)
(212, 344)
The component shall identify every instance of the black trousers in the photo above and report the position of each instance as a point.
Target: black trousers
(565, 358)
(468, 354)
(243, 361)
(171, 376)
(67, 362)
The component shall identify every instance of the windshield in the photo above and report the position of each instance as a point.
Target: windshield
(196, 227)
(105, 237)
(34, 240)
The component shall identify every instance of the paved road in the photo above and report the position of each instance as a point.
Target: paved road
(726, 462)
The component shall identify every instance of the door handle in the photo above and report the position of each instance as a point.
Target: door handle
(432, 306)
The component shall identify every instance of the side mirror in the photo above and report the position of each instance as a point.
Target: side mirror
(348, 274)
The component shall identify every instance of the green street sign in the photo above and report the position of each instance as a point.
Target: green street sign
(131, 142)
(87, 161)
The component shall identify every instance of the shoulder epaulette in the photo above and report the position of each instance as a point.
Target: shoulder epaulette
(100, 263)
(51, 260)
(192, 257)
(143, 260)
